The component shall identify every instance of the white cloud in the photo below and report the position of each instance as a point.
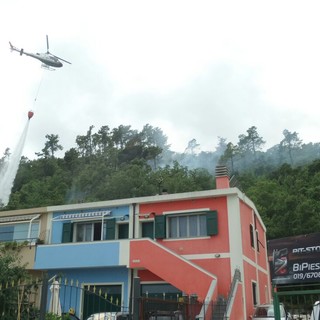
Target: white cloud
(196, 69)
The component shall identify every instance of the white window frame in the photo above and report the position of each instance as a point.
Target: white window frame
(91, 223)
(177, 234)
(13, 221)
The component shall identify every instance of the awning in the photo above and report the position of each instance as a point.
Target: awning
(83, 215)
(27, 218)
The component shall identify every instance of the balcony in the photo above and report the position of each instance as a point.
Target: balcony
(82, 255)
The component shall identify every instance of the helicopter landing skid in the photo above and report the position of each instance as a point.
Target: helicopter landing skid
(45, 66)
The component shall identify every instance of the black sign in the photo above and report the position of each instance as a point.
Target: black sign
(295, 259)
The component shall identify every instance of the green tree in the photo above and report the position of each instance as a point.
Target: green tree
(50, 147)
(85, 145)
(12, 273)
(133, 180)
(103, 140)
(290, 143)
(155, 143)
(251, 142)
(229, 154)
(288, 199)
(121, 136)
(177, 179)
(154, 137)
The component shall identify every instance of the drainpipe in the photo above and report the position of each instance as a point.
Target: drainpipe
(30, 223)
(131, 270)
(44, 297)
(134, 220)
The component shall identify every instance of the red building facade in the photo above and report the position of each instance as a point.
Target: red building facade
(201, 240)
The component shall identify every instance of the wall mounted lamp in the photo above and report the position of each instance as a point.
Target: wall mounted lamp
(147, 215)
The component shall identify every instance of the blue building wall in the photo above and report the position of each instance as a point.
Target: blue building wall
(72, 295)
(78, 255)
(80, 264)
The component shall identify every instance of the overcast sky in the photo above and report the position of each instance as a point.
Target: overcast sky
(195, 69)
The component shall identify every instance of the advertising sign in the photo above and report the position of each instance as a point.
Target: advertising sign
(295, 259)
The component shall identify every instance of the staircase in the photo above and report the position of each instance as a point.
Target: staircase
(172, 268)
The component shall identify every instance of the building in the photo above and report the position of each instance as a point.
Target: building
(208, 245)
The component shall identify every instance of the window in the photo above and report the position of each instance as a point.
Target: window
(88, 231)
(257, 239)
(254, 294)
(6, 233)
(19, 231)
(147, 230)
(254, 238)
(251, 236)
(187, 226)
(160, 291)
(123, 231)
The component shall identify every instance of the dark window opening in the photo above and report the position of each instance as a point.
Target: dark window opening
(123, 231)
(251, 236)
(147, 230)
(258, 242)
(97, 232)
(254, 293)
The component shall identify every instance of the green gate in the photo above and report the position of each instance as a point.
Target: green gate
(298, 300)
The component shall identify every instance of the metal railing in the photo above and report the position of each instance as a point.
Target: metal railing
(34, 299)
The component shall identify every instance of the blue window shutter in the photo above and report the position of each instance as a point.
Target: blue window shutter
(111, 229)
(212, 223)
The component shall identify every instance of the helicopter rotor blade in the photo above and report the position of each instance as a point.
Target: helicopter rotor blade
(60, 59)
(47, 44)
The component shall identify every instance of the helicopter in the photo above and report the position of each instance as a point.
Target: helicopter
(48, 59)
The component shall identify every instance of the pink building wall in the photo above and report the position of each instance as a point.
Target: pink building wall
(214, 253)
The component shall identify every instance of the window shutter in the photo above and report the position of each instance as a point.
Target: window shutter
(160, 227)
(111, 229)
(212, 223)
(67, 232)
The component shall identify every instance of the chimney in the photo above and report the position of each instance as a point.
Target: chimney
(222, 177)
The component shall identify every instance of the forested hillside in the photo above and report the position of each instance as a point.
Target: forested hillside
(283, 182)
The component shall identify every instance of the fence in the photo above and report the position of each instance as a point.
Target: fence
(36, 299)
(184, 308)
(298, 300)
